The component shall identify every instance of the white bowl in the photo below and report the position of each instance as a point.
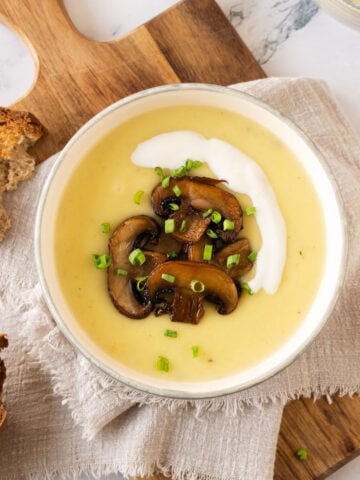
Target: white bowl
(281, 127)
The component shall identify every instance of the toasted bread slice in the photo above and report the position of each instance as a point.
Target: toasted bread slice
(5, 222)
(18, 132)
(3, 344)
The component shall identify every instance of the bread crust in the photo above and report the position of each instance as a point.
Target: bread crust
(3, 344)
(19, 131)
(17, 126)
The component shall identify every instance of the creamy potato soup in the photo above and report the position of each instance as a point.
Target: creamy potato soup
(102, 189)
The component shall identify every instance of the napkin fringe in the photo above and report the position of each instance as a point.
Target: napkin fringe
(131, 470)
(175, 472)
(96, 472)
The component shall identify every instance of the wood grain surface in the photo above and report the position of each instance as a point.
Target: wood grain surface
(328, 432)
(77, 77)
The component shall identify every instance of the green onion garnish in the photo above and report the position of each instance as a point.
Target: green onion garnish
(121, 272)
(302, 454)
(182, 226)
(140, 283)
(228, 224)
(105, 227)
(162, 364)
(101, 261)
(171, 255)
(233, 260)
(207, 213)
(245, 286)
(159, 171)
(170, 333)
(137, 196)
(137, 257)
(177, 190)
(168, 278)
(210, 233)
(252, 256)
(207, 254)
(195, 351)
(190, 164)
(169, 225)
(250, 210)
(179, 172)
(197, 286)
(165, 182)
(216, 216)
(174, 207)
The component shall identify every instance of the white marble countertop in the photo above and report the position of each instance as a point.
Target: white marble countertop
(288, 38)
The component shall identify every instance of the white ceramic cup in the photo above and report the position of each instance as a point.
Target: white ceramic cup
(346, 11)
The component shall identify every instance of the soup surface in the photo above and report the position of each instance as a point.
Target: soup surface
(101, 190)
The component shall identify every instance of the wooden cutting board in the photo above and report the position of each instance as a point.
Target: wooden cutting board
(191, 42)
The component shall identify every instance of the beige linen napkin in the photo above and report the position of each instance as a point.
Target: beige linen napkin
(211, 440)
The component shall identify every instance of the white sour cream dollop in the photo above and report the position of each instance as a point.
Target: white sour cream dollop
(170, 150)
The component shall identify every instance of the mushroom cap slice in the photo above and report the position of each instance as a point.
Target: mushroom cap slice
(135, 232)
(168, 244)
(194, 225)
(218, 288)
(181, 304)
(197, 194)
(241, 247)
(195, 251)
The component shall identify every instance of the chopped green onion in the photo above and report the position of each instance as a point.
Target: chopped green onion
(177, 190)
(140, 283)
(210, 233)
(233, 260)
(171, 255)
(302, 454)
(165, 182)
(137, 196)
(105, 227)
(216, 216)
(207, 254)
(162, 364)
(247, 288)
(174, 207)
(197, 286)
(179, 172)
(169, 278)
(228, 224)
(121, 272)
(250, 210)
(197, 163)
(190, 164)
(252, 256)
(195, 351)
(137, 257)
(169, 225)
(102, 261)
(207, 213)
(182, 226)
(159, 171)
(170, 333)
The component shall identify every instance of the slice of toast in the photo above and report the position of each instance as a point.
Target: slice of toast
(3, 344)
(18, 132)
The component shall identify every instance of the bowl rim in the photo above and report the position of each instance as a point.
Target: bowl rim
(148, 388)
(344, 11)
